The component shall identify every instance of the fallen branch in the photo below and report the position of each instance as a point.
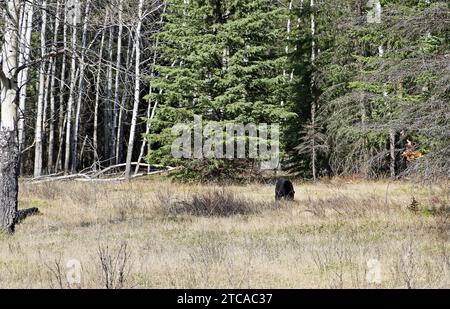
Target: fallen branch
(43, 179)
(132, 177)
(94, 178)
(103, 171)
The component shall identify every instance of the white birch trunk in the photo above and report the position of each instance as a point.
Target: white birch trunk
(130, 51)
(136, 92)
(151, 111)
(68, 144)
(118, 118)
(108, 109)
(24, 57)
(62, 86)
(9, 146)
(38, 136)
(80, 90)
(313, 103)
(51, 135)
(97, 95)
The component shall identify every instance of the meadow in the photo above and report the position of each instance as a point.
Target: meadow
(153, 233)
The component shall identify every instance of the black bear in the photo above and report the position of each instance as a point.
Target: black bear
(284, 188)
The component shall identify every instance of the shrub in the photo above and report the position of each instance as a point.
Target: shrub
(219, 203)
(414, 206)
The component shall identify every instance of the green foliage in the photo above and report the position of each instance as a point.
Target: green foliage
(233, 61)
(223, 60)
(363, 92)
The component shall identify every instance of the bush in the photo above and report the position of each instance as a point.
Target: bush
(219, 203)
(217, 171)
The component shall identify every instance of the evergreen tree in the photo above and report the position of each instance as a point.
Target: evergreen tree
(373, 82)
(223, 60)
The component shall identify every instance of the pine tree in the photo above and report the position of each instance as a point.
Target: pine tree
(373, 82)
(225, 61)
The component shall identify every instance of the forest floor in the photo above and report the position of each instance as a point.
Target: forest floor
(336, 234)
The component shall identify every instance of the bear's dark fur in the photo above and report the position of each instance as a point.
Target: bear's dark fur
(284, 189)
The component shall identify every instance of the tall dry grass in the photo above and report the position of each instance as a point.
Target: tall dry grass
(153, 233)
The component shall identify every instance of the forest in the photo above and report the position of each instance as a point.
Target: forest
(352, 83)
(92, 91)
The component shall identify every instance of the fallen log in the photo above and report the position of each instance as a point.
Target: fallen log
(103, 171)
(43, 179)
(123, 178)
(94, 178)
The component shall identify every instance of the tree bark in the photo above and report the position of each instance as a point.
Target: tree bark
(118, 117)
(62, 85)
(24, 57)
(119, 146)
(97, 95)
(392, 152)
(51, 135)
(136, 93)
(108, 108)
(9, 146)
(71, 97)
(151, 111)
(38, 136)
(313, 103)
(80, 90)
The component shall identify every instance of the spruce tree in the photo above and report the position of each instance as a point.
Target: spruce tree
(222, 60)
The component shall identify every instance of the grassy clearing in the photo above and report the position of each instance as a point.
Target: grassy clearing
(156, 234)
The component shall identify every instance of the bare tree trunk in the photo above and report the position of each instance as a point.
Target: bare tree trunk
(378, 12)
(118, 118)
(150, 116)
(97, 95)
(38, 136)
(289, 25)
(51, 135)
(24, 57)
(82, 148)
(80, 90)
(366, 164)
(151, 111)
(392, 152)
(46, 95)
(63, 120)
(71, 97)
(108, 109)
(136, 93)
(62, 85)
(119, 147)
(313, 104)
(9, 146)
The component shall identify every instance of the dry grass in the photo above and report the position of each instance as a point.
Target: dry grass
(212, 203)
(130, 235)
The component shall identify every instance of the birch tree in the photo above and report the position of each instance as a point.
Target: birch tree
(80, 96)
(313, 103)
(117, 112)
(51, 135)
(62, 119)
(108, 108)
(97, 94)
(38, 137)
(68, 144)
(136, 91)
(9, 146)
(24, 57)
